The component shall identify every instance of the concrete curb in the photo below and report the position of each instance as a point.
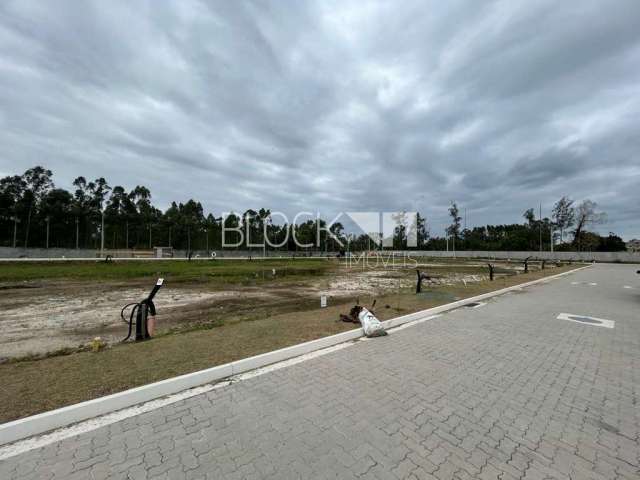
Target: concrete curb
(62, 417)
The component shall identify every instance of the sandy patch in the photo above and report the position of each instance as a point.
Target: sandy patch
(41, 320)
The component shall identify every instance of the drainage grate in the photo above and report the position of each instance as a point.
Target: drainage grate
(474, 305)
(585, 319)
(596, 322)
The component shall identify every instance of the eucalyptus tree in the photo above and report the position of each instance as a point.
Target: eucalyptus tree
(563, 215)
(55, 209)
(37, 181)
(11, 200)
(453, 230)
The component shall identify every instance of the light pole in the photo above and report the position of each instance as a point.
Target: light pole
(77, 233)
(265, 224)
(48, 219)
(15, 230)
(102, 232)
(540, 228)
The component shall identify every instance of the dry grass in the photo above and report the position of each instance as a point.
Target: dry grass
(30, 387)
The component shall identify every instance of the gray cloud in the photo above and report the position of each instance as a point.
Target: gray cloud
(331, 106)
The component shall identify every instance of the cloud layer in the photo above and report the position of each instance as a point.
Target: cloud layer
(331, 106)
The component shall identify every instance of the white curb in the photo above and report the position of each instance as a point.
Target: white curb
(62, 417)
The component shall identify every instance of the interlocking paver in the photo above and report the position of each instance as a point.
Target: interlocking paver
(504, 391)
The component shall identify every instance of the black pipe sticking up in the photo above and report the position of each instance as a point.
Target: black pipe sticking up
(490, 271)
(141, 310)
(526, 265)
(421, 276)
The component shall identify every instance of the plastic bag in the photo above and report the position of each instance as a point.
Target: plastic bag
(370, 324)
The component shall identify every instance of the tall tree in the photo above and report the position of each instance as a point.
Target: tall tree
(81, 207)
(586, 214)
(454, 229)
(118, 212)
(55, 209)
(37, 183)
(530, 216)
(422, 233)
(11, 200)
(563, 215)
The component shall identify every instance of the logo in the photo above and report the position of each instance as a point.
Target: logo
(380, 227)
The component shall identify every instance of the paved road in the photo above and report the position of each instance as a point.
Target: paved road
(503, 391)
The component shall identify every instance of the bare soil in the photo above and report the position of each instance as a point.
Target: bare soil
(43, 317)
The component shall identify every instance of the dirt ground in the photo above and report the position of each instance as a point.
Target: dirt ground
(48, 318)
(49, 315)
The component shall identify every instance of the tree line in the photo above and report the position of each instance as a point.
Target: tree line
(36, 213)
(567, 229)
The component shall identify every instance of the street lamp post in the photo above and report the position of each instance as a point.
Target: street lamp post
(48, 219)
(15, 231)
(102, 234)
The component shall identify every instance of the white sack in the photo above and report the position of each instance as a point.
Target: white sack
(370, 324)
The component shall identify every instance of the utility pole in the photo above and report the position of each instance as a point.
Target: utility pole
(551, 239)
(48, 220)
(15, 231)
(540, 226)
(102, 234)
(77, 233)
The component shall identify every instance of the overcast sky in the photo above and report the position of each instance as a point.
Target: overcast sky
(331, 106)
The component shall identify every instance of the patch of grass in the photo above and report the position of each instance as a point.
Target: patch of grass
(34, 386)
(174, 270)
